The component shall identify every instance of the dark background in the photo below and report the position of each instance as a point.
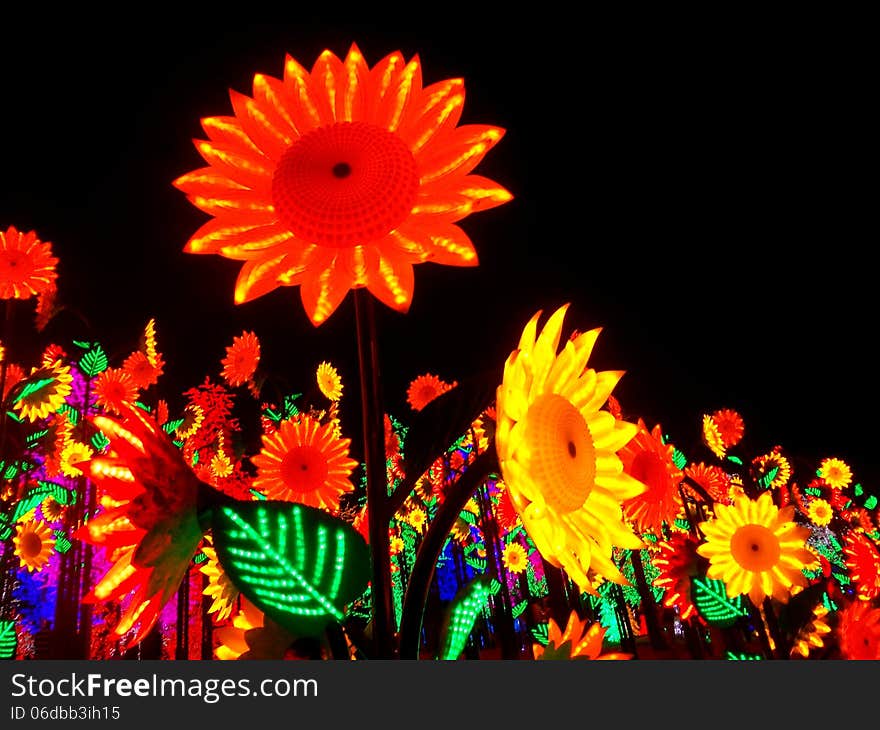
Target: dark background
(696, 185)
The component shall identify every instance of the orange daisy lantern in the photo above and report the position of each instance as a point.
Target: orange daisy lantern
(27, 266)
(306, 462)
(341, 178)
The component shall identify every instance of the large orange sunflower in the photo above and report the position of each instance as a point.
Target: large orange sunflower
(648, 460)
(305, 462)
(148, 523)
(756, 548)
(339, 179)
(27, 266)
(558, 452)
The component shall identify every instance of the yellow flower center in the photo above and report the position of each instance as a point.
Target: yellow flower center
(755, 548)
(345, 184)
(304, 469)
(562, 455)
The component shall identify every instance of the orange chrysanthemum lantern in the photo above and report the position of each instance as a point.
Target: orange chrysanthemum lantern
(339, 179)
(242, 358)
(648, 460)
(425, 389)
(304, 461)
(858, 631)
(27, 266)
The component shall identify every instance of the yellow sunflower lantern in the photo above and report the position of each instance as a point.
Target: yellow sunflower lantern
(756, 548)
(558, 452)
(33, 545)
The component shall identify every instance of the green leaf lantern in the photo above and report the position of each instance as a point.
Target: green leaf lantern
(297, 564)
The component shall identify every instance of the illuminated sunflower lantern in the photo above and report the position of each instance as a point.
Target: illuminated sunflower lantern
(425, 389)
(148, 522)
(648, 460)
(558, 452)
(580, 640)
(835, 472)
(340, 178)
(27, 266)
(756, 548)
(34, 545)
(304, 461)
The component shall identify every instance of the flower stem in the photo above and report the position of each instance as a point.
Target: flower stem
(377, 487)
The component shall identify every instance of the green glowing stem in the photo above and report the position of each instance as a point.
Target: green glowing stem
(373, 420)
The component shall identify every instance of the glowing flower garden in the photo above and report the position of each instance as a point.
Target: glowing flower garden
(532, 517)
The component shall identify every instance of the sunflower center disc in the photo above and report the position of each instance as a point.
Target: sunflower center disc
(345, 184)
(304, 469)
(561, 453)
(30, 545)
(755, 548)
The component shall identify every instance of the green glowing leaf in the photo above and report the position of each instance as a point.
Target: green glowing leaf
(199, 558)
(5, 529)
(288, 407)
(766, 480)
(519, 608)
(35, 496)
(478, 564)
(714, 605)
(813, 491)
(172, 426)
(15, 417)
(35, 436)
(742, 656)
(463, 612)
(735, 460)
(298, 564)
(858, 490)
(541, 634)
(82, 344)
(62, 544)
(682, 524)
(679, 459)
(72, 413)
(258, 495)
(100, 441)
(33, 386)
(8, 640)
(871, 502)
(94, 361)
(142, 406)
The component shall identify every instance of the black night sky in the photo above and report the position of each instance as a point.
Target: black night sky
(697, 189)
